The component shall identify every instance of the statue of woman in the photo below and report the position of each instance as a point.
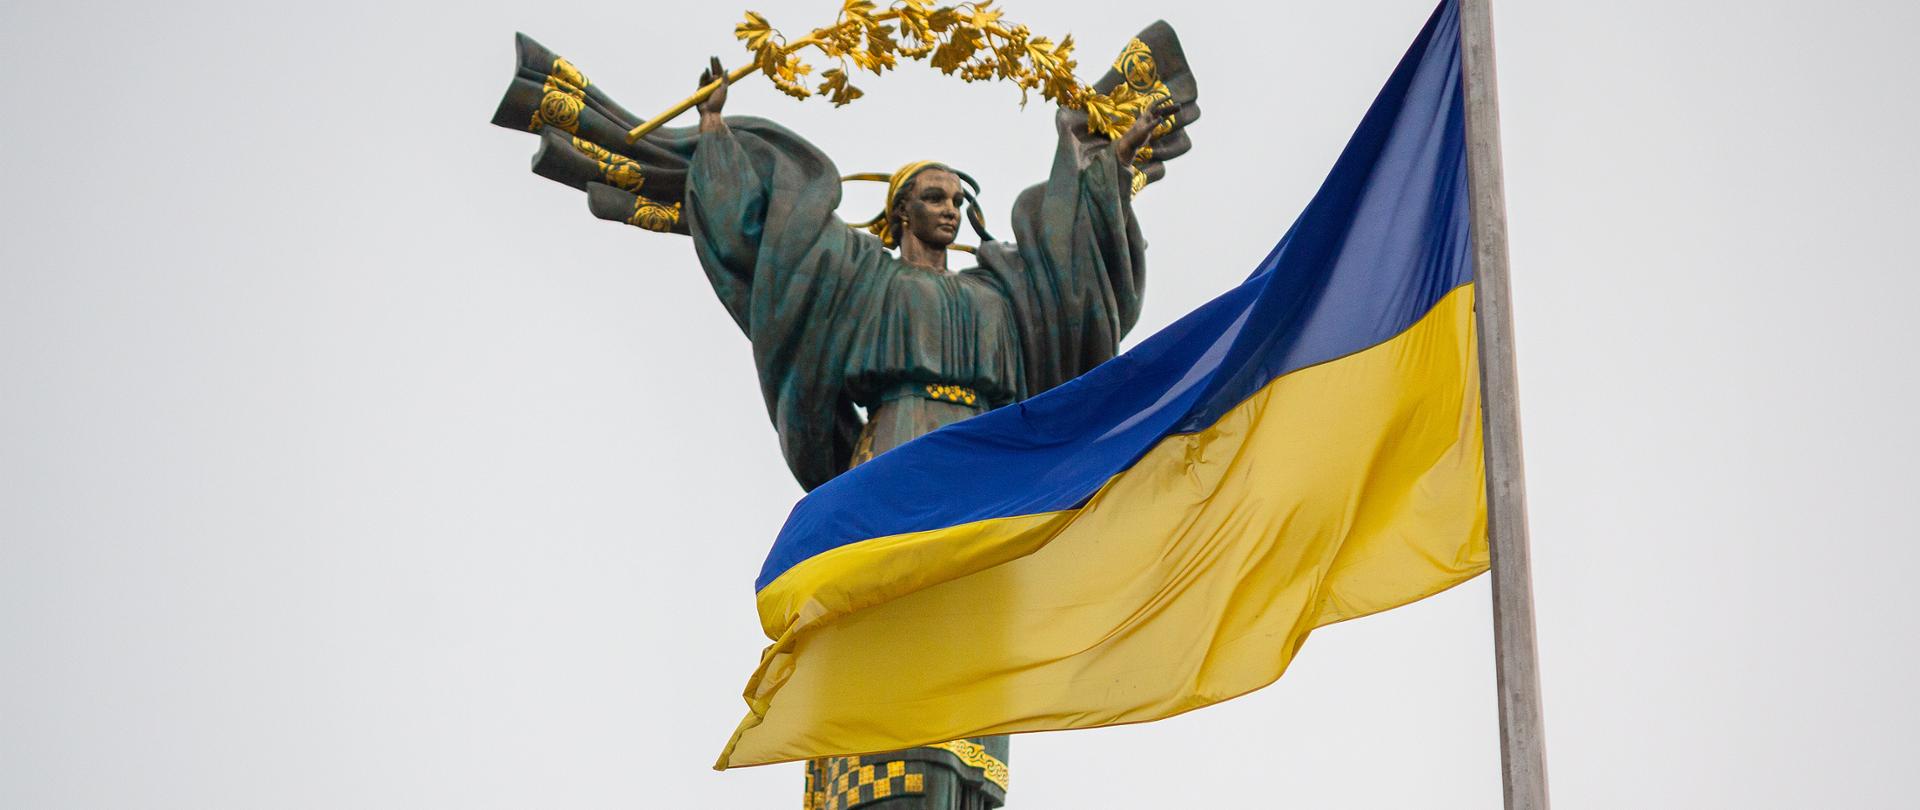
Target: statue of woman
(845, 319)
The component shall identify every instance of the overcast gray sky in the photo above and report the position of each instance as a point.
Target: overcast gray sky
(344, 463)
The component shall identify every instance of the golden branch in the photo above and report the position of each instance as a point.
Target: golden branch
(969, 39)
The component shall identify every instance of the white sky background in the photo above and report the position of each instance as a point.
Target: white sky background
(344, 463)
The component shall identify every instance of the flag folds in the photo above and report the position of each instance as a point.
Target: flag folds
(1163, 532)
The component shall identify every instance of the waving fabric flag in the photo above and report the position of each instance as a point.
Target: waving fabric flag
(1163, 532)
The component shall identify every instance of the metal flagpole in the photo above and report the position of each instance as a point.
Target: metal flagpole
(1516, 656)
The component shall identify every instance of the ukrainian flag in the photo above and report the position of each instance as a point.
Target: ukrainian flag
(1163, 532)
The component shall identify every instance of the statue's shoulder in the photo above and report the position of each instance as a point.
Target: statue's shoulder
(997, 264)
(998, 254)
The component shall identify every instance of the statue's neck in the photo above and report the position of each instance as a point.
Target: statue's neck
(923, 255)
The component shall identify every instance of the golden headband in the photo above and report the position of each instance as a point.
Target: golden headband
(882, 224)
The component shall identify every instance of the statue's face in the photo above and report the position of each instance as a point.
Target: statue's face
(933, 207)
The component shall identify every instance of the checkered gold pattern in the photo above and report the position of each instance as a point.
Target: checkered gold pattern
(842, 783)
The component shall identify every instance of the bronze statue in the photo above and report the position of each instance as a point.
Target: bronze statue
(840, 325)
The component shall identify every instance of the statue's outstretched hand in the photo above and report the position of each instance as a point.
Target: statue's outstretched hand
(710, 109)
(1144, 124)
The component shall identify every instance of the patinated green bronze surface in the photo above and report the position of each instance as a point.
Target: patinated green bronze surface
(841, 325)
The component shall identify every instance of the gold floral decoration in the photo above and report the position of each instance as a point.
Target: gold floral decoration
(622, 172)
(653, 216)
(566, 92)
(564, 72)
(975, 755)
(971, 39)
(1136, 66)
(1141, 89)
(952, 393)
(619, 171)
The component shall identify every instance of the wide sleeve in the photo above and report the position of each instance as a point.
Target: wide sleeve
(801, 284)
(726, 213)
(1073, 274)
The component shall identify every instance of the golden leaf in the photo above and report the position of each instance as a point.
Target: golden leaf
(836, 89)
(1103, 115)
(792, 69)
(755, 31)
(955, 52)
(1040, 55)
(860, 11)
(880, 40)
(877, 63)
(769, 57)
(984, 14)
(913, 18)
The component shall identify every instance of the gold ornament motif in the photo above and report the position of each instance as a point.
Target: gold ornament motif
(619, 171)
(592, 150)
(1141, 91)
(558, 110)
(564, 72)
(1136, 66)
(653, 216)
(837, 783)
(951, 393)
(566, 93)
(976, 756)
(623, 173)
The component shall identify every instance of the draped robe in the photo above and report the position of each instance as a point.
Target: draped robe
(838, 324)
(837, 321)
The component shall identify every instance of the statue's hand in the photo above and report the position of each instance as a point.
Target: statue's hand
(1144, 124)
(710, 109)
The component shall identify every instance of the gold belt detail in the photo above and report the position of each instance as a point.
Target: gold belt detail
(952, 393)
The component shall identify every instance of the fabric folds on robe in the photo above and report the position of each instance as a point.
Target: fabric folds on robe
(826, 306)
(832, 319)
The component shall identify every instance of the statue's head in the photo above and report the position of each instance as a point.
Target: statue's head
(928, 200)
(928, 205)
